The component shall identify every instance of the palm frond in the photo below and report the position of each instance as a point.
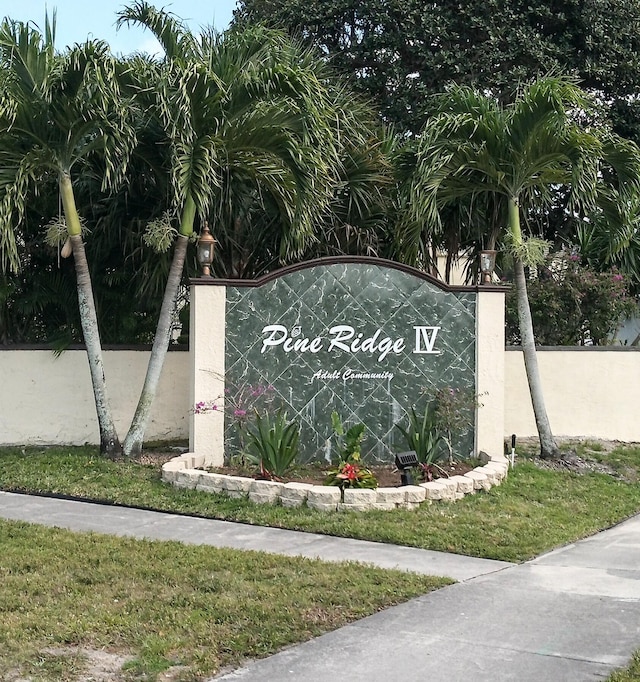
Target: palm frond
(523, 151)
(174, 36)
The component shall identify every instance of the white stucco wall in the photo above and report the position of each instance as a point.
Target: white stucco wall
(490, 371)
(589, 392)
(49, 400)
(207, 367)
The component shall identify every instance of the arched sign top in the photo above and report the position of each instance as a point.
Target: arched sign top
(339, 260)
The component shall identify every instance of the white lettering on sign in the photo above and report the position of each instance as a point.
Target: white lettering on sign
(347, 374)
(371, 344)
(350, 374)
(323, 375)
(344, 338)
(425, 339)
(279, 335)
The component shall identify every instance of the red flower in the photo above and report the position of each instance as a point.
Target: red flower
(350, 472)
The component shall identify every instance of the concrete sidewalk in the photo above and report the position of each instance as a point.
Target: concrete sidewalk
(570, 615)
(85, 516)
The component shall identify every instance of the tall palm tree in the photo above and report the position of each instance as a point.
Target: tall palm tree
(56, 110)
(248, 122)
(519, 153)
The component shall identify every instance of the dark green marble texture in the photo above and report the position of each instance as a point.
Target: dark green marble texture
(367, 297)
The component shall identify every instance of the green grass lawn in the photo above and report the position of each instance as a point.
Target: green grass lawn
(196, 610)
(68, 596)
(630, 674)
(534, 511)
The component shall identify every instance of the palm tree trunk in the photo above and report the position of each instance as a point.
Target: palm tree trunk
(135, 436)
(109, 441)
(548, 446)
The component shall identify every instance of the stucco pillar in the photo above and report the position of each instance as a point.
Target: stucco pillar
(490, 342)
(206, 351)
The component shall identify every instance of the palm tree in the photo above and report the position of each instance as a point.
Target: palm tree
(519, 153)
(56, 110)
(249, 123)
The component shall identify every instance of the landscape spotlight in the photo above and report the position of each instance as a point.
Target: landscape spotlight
(405, 461)
(205, 247)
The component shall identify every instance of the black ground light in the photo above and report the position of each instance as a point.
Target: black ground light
(405, 461)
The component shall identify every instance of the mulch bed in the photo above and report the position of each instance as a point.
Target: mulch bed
(387, 476)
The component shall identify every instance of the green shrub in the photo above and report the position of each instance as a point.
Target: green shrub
(572, 305)
(349, 473)
(423, 434)
(349, 443)
(273, 446)
(437, 432)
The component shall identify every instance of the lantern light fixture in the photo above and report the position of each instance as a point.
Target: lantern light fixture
(487, 265)
(205, 247)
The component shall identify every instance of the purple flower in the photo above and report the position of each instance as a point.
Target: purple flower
(239, 413)
(204, 406)
(618, 278)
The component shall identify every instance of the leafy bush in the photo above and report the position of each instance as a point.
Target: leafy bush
(349, 472)
(350, 442)
(423, 434)
(572, 305)
(273, 446)
(455, 414)
(445, 418)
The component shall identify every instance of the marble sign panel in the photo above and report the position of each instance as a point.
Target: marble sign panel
(366, 340)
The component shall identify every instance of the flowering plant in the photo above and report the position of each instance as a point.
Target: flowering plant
(572, 304)
(349, 473)
(240, 405)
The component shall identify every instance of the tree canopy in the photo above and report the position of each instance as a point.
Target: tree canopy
(400, 51)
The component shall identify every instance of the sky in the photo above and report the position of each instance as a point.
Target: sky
(77, 20)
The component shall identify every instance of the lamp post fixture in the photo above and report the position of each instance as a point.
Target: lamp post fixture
(205, 248)
(487, 265)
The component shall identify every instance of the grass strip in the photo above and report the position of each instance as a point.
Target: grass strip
(629, 674)
(67, 596)
(533, 511)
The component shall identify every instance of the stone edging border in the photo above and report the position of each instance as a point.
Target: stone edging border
(185, 471)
